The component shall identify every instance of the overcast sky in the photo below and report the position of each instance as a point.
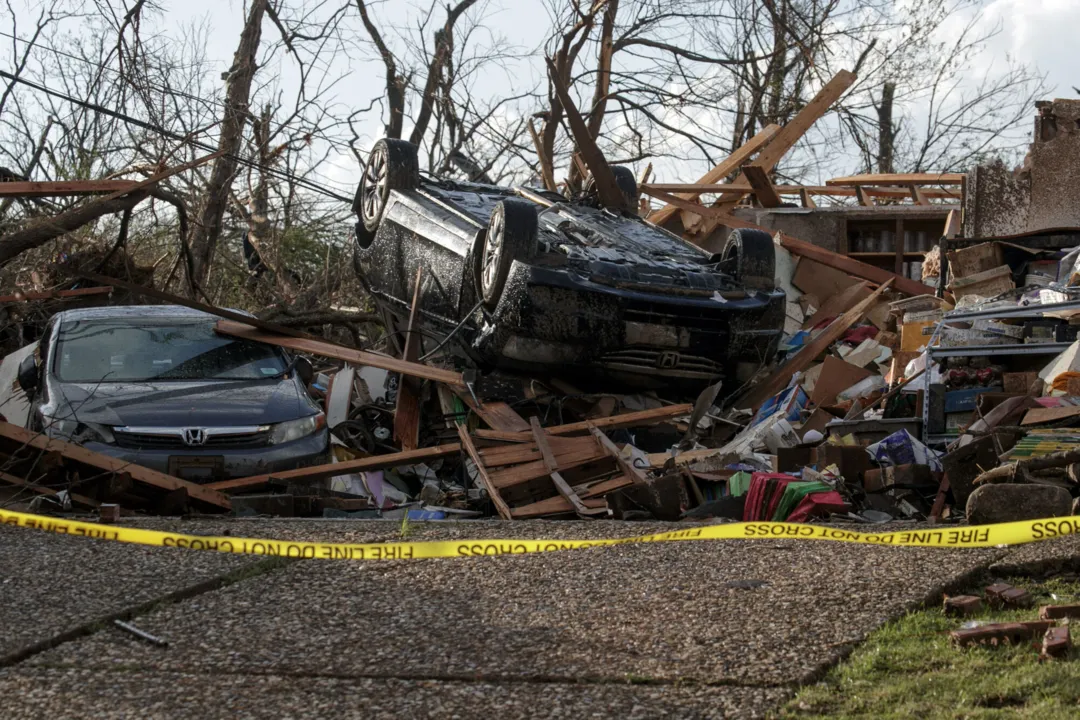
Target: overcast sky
(1041, 32)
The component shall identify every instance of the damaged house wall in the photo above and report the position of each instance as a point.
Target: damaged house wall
(1043, 194)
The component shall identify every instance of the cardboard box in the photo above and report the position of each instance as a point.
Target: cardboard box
(988, 284)
(912, 337)
(969, 261)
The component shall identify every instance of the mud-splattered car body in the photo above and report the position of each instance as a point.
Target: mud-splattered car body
(602, 291)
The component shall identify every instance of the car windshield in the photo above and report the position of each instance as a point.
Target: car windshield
(128, 350)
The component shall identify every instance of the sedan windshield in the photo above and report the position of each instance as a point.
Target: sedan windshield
(127, 350)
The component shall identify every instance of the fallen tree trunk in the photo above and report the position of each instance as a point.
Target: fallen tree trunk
(1018, 471)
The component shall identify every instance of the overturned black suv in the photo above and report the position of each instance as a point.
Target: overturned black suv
(537, 282)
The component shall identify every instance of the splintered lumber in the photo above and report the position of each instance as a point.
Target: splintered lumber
(784, 140)
(242, 329)
(632, 471)
(407, 408)
(853, 267)
(722, 170)
(18, 438)
(321, 472)
(65, 188)
(519, 474)
(625, 420)
(900, 179)
(607, 188)
(780, 377)
(470, 447)
(763, 187)
(55, 294)
(552, 467)
(42, 490)
(497, 414)
(695, 189)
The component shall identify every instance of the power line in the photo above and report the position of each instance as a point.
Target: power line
(303, 182)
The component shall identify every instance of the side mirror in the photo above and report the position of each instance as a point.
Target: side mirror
(304, 370)
(28, 373)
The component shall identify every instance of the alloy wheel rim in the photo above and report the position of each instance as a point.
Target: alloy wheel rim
(374, 184)
(493, 244)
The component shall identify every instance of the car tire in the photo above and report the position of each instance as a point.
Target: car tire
(750, 256)
(510, 236)
(624, 178)
(391, 165)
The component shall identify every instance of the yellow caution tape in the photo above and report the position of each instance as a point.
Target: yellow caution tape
(981, 536)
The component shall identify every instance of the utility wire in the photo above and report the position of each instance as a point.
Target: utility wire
(303, 182)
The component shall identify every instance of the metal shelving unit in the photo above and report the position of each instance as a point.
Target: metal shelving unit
(935, 353)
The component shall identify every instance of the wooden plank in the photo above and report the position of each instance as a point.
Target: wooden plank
(528, 452)
(629, 469)
(557, 505)
(722, 169)
(547, 172)
(763, 187)
(1036, 416)
(864, 199)
(81, 455)
(493, 492)
(607, 188)
(900, 179)
(42, 490)
(918, 196)
(498, 415)
(806, 200)
(321, 472)
(853, 267)
(838, 304)
(952, 224)
(780, 377)
(784, 141)
(835, 191)
(407, 407)
(65, 188)
(55, 294)
(625, 420)
(939, 499)
(340, 352)
(552, 466)
(525, 472)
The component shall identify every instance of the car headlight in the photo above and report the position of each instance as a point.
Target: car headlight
(74, 431)
(296, 429)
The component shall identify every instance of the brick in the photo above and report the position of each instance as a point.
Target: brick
(1053, 612)
(1056, 642)
(963, 605)
(1001, 633)
(1001, 595)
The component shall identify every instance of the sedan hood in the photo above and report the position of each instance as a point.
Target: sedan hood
(183, 404)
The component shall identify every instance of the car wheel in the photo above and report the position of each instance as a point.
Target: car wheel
(511, 235)
(749, 255)
(391, 165)
(624, 178)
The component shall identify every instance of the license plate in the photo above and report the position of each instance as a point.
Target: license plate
(197, 469)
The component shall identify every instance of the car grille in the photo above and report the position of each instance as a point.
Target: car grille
(687, 316)
(666, 363)
(146, 441)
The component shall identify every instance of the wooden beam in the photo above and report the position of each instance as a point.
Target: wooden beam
(498, 415)
(781, 376)
(900, 179)
(98, 461)
(492, 491)
(340, 352)
(831, 190)
(321, 472)
(864, 198)
(853, 267)
(65, 188)
(42, 490)
(633, 419)
(55, 294)
(952, 224)
(407, 407)
(547, 171)
(552, 466)
(722, 169)
(785, 140)
(708, 211)
(918, 196)
(806, 200)
(763, 187)
(629, 469)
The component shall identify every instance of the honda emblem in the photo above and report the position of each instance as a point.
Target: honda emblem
(194, 436)
(668, 360)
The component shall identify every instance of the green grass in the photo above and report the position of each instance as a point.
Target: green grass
(910, 669)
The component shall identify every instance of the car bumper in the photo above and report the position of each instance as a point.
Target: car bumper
(225, 463)
(554, 317)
